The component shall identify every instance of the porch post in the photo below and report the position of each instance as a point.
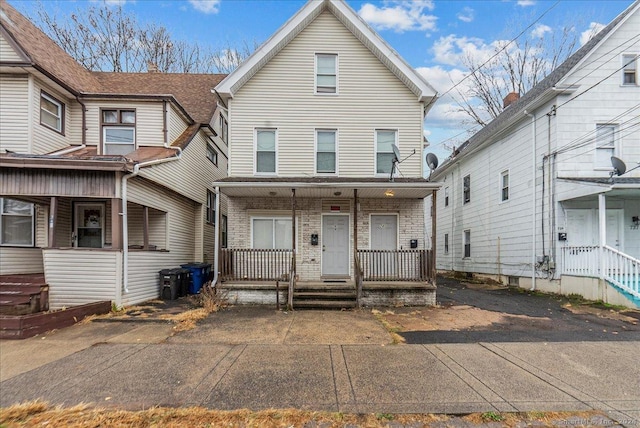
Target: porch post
(53, 221)
(116, 224)
(432, 258)
(292, 271)
(602, 216)
(356, 264)
(145, 228)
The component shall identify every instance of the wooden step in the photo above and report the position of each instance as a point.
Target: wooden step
(324, 304)
(324, 295)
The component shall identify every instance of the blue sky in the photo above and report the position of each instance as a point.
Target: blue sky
(431, 35)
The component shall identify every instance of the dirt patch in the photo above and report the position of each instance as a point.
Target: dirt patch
(456, 318)
(610, 314)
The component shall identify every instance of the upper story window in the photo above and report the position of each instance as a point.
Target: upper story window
(384, 153)
(212, 154)
(16, 223)
(605, 145)
(118, 131)
(224, 128)
(266, 151)
(211, 207)
(326, 151)
(446, 196)
(630, 69)
(51, 112)
(504, 186)
(466, 189)
(326, 74)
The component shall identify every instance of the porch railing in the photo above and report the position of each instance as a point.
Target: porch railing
(394, 265)
(619, 269)
(622, 270)
(255, 264)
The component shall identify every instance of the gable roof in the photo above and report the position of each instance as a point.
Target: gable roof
(534, 95)
(350, 19)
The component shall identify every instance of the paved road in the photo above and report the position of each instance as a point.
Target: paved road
(561, 325)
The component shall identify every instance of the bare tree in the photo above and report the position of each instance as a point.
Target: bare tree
(513, 68)
(108, 38)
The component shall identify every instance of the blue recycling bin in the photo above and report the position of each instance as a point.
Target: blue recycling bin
(198, 276)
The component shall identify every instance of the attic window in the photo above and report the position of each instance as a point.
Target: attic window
(629, 69)
(51, 112)
(326, 74)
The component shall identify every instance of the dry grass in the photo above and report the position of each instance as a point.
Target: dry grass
(393, 331)
(208, 300)
(41, 414)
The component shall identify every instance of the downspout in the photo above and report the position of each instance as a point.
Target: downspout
(165, 120)
(84, 131)
(125, 224)
(216, 242)
(533, 198)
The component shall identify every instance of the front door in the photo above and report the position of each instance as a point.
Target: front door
(89, 230)
(614, 226)
(335, 245)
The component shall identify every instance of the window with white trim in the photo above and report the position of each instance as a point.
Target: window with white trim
(466, 241)
(118, 131)
(271, 233)
(266, 151)
(605, 145)
(212, 154)
(384, 152)
(224, 129)
(51, 112)
(326, 151)
(630, 69)
(211, 207)
(466, 189)
(223, 231)
(446, 196)
(446, 243)
(504, 186)
(326, 74)
(16, 223)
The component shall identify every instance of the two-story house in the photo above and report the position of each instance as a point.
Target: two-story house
(533, 199)
(318, 116)
(105, 178)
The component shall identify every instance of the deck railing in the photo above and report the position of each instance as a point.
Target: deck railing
(622, 270)
(583, 260)
(255, 264)
(394, 265)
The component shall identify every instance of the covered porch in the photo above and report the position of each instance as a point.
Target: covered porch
(308, 241)
(600, 239)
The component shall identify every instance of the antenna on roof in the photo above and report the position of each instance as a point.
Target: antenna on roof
(396, 159)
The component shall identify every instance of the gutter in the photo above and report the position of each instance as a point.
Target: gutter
(124, 213)
(533, 197)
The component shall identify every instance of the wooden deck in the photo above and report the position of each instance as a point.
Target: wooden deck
(23, 294)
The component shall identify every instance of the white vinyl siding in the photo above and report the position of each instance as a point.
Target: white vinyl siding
(17, 261)
(14, 113)
(266, 151)
(605, 146)
(385, 139)
(177, 124)
(281, 95)
(326, 74)
(7, 53)
(326, 149)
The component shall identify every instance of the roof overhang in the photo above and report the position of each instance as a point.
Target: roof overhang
(48, 162)
(358, 27)
(576, 189)
(327, 189)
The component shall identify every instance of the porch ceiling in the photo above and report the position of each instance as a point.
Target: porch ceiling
(327, 188)
(587, 189)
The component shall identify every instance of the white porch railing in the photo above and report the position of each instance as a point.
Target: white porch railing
(618, 268)
(622, 270)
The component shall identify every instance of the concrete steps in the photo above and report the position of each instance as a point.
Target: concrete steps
(318, 295)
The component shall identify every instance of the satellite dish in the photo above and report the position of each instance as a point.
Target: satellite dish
(619, 167)
(432, 161)
(396, 152)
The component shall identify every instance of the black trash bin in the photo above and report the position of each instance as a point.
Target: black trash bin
(185, 280)
(169, 284)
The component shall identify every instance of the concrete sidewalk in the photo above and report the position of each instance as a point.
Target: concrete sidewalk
(133, 367)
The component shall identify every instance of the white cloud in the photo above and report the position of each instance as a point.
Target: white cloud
(594, 28)
(526, 3)
(466, 15)
(114, 2)
(400, 15)
(451, 49)
(540, 30)
(206, 6)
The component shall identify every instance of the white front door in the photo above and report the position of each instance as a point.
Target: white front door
(614, 229)
(89, 225)
(580, 228)
(335, 245)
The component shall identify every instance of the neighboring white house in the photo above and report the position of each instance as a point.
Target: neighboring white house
(313, 117)
(105, 178)
(531, 199)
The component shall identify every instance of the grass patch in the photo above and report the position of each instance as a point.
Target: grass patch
(396, 339)
(208, 300)
(38, 413)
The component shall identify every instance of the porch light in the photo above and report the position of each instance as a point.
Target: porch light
(389, 193)
(272, 193)
(337, 193)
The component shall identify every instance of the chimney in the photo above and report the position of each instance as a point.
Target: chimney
(511, 98)
(152, 67)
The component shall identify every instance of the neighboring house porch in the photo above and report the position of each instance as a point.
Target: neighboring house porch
(601, 239)
(353, 241)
